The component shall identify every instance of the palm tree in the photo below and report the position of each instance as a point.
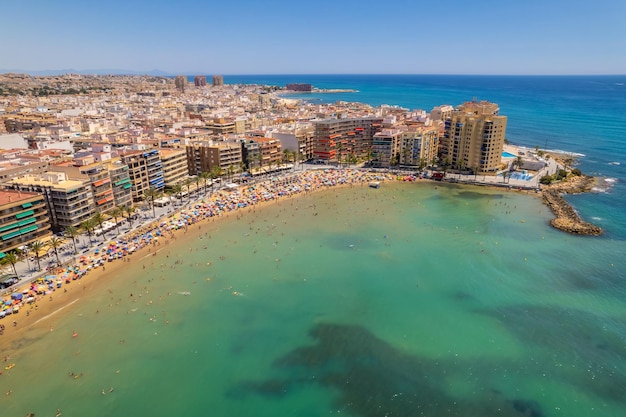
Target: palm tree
(99, 219)
(23, 254)
(445, 164)
(297, 157)
(87, 226)
(130, 211)
(475, 171)
(115, 213)
(286, 156)
(215, 172)
(151, 194)
(37, 247)
(10, 258)
(242, 169)
(187, 183)
(230, 170)
(205, 177)
(260, 158)
(518, 162)
(177, 189)
(72, 232)
(339, 148)
(55, 243)
(197, 180)
(405, 157)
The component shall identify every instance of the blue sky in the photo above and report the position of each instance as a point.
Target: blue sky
(324, 36)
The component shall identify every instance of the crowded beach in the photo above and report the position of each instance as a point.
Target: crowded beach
(26, 300)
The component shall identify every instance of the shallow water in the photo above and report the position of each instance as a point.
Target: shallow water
(410, 298)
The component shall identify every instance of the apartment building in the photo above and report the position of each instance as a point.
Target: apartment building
(69, 202)
(144, 170)
(120, 183)
(474, 137)
(174, 164)
(198, 157)
(23, 219)
(270, 152)
(386, 148)
(419, 145)
(225, 155)
(206, 155)
(250, 153)
(352, 136)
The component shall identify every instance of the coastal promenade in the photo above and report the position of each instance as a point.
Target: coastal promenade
(34, 287)
(123, 241)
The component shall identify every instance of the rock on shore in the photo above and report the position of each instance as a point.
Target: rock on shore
(567, 219)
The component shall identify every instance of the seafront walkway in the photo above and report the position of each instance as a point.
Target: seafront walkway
(115, 246)
(308, 178)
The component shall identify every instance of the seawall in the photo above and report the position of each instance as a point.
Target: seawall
(567, 219)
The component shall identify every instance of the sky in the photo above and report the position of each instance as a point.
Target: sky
(316, 37)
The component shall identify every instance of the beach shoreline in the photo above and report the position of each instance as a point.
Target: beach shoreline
(38, 318)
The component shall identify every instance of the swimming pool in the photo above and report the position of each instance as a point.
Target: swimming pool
(519, 175)
(508, 155)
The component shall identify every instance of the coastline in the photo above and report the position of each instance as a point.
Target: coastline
(40, 317)
(567, 219)
(36, 319)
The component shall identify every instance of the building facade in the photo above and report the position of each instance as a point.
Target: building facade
(174, 163)
(144, 170)
(474, 137)
(352, 136)
(69, 202)
(419, 146)
(386, 148)
(23, 219)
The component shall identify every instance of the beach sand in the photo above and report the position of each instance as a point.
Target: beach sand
(37, 319)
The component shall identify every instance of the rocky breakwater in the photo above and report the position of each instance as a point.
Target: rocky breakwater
(567, 219)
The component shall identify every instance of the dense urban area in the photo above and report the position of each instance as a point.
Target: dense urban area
(81, 154)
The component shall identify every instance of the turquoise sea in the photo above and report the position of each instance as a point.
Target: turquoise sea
(415, 299)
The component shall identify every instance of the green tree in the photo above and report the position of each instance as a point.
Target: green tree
(116, 212)
(187, 184)
(72, 232)
(98, 218)
(55, 243)
(546, 180)
(37, 247)
(230, 170)
(339, 148)
(177, 189)
(196, 181)
(205, 177)
(215, 172)
(152, 194)
(87, 226)
(130, 211)
(10, 258)
(260, 160)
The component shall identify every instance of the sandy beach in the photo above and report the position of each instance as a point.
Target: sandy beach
(38, 318)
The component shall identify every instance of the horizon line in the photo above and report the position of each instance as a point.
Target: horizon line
(161, 73)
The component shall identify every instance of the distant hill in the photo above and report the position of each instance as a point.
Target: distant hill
(104, 71)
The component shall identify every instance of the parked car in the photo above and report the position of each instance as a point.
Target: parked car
(7, 280)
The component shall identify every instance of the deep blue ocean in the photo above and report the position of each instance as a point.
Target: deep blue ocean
(584, 115)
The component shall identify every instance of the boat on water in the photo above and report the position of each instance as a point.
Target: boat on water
(374, 184)
(8, 367)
